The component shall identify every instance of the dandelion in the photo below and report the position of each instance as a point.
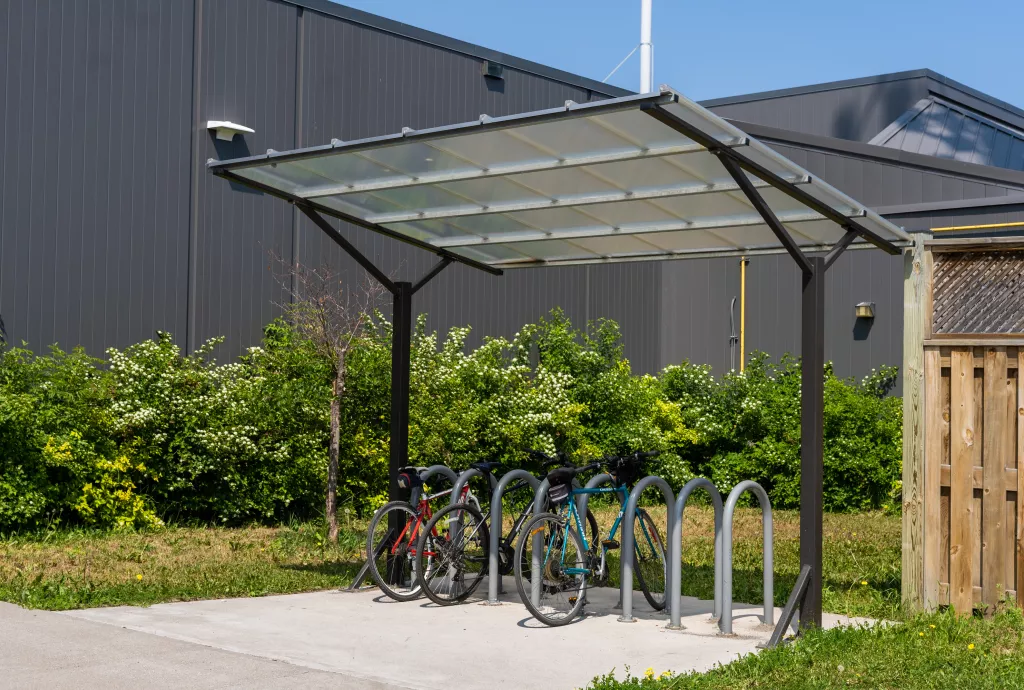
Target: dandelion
(139, 577)
(921, 634)
(970, 646)
(932, 626)
(864, 582)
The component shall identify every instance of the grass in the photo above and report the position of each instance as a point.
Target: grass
(78, 569)
(937, 651)
(81, 569)
(861, 557)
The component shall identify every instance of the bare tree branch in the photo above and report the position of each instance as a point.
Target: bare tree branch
(332, 316)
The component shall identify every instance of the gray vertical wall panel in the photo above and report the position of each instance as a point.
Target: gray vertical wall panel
(248, 77)
(92, 227)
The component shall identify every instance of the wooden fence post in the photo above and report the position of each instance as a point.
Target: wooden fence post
(915, 327)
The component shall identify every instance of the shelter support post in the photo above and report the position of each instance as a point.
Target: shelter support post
(401, 344)
(812, 404)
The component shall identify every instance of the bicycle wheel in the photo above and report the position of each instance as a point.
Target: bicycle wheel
(452, 554)
(649, 561)
(390, 550)
(554, 592)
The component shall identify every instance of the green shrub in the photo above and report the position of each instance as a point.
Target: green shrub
(748, 426)
(153, 435)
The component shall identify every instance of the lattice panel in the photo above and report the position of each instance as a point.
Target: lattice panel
(978, 292)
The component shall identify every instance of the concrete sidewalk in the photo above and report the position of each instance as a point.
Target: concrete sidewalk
(41, 649)
(422, 646)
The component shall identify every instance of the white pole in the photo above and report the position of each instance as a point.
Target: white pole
(646, 49)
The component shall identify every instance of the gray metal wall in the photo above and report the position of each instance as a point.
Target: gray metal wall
(111, 228)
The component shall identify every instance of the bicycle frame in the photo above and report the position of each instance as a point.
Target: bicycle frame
(573, 513)
(423, 513)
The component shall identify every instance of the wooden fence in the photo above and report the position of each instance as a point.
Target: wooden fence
(963, 449)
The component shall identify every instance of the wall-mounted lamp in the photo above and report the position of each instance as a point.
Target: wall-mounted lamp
(865, 310)
(227, 130)
(493, 70)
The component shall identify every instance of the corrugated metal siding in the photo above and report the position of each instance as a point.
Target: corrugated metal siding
(94, 120)
(936, 127)
(856, 113)
(696, 296)
(247, 75)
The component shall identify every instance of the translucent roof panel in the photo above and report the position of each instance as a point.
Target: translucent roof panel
(627, 179)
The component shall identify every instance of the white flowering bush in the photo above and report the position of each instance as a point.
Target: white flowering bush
(154, 435)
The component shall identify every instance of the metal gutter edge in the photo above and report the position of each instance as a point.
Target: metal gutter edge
(391, 26)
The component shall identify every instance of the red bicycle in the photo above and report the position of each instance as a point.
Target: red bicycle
(395, 532)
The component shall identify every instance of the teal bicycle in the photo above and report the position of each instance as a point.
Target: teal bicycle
(554, 561)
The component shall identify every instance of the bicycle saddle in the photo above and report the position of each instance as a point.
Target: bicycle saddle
(486, 467)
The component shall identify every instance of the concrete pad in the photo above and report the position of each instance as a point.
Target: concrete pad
(420, 645)
(46, 650)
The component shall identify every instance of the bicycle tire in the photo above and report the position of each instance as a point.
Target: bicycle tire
(445, 555)
(648, 563)
(567, 532)
(403, 567)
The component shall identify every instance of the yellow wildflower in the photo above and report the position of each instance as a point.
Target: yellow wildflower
(932, 627)
(921, 634)
(649, 673)
(970, 646)
(139, 577)
(864, 582)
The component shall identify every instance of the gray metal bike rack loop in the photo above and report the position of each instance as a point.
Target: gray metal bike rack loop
(494, 566)
(725, 622)
(463, 479)
(439, 469)
(426, 474)
(675, 554)
(628, 518)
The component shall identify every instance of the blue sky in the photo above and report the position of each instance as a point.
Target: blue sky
(717, 48)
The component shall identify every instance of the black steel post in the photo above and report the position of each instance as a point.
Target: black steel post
(812, 408)
(401, 343)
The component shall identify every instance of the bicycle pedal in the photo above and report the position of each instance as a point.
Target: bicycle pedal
(610, 544)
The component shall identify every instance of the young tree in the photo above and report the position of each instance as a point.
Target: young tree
(333, 316)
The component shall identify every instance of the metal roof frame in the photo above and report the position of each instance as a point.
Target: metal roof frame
(751, 166)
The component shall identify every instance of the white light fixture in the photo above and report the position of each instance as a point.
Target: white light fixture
(227, 130)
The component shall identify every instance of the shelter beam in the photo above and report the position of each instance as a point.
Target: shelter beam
(763, 209)
(691, 132)
(438, 267)
(349, 248)
(839, 247)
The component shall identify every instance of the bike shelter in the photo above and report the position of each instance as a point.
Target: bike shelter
(649, 177)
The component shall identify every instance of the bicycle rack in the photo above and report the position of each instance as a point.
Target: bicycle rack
(725, 622)
(676, 547)
(494, 567)
(540, 500)
(424, 475)
(461, 481)
(628, 518)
